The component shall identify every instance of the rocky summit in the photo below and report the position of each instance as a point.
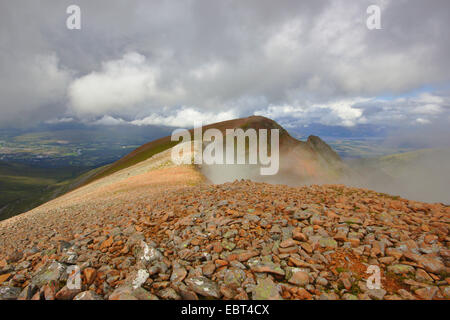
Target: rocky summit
(240, 240)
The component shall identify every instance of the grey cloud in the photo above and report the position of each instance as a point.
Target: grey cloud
(217, 56)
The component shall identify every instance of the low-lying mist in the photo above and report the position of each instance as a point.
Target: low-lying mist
(422, 175)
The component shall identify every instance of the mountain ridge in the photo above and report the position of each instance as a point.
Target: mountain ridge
(158, 230)
(255, 122)
(306, 152)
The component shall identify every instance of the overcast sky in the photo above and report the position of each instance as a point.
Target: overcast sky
(172, 62)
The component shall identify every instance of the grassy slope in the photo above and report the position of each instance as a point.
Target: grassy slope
(23, 187)
(148, 150)
(397, 161)
(420, 175)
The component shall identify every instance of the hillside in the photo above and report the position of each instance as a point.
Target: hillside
(310, 159)
(41, 162)
(177, 238)
(149, 149)
(23, 187)
(420, 175)
(145, 228)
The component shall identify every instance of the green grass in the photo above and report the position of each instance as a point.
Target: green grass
(23, 187)
(392, 197)
(139, 157)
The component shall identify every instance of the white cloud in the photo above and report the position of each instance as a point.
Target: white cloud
(32, 89)
(143, 61)
(427, 109)
(341, 112)
(60, 120)
(345, 111)
(428, 104)
(185, 118)
(422, 121)
(119, 86)
(109, 121)
(421, 109)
